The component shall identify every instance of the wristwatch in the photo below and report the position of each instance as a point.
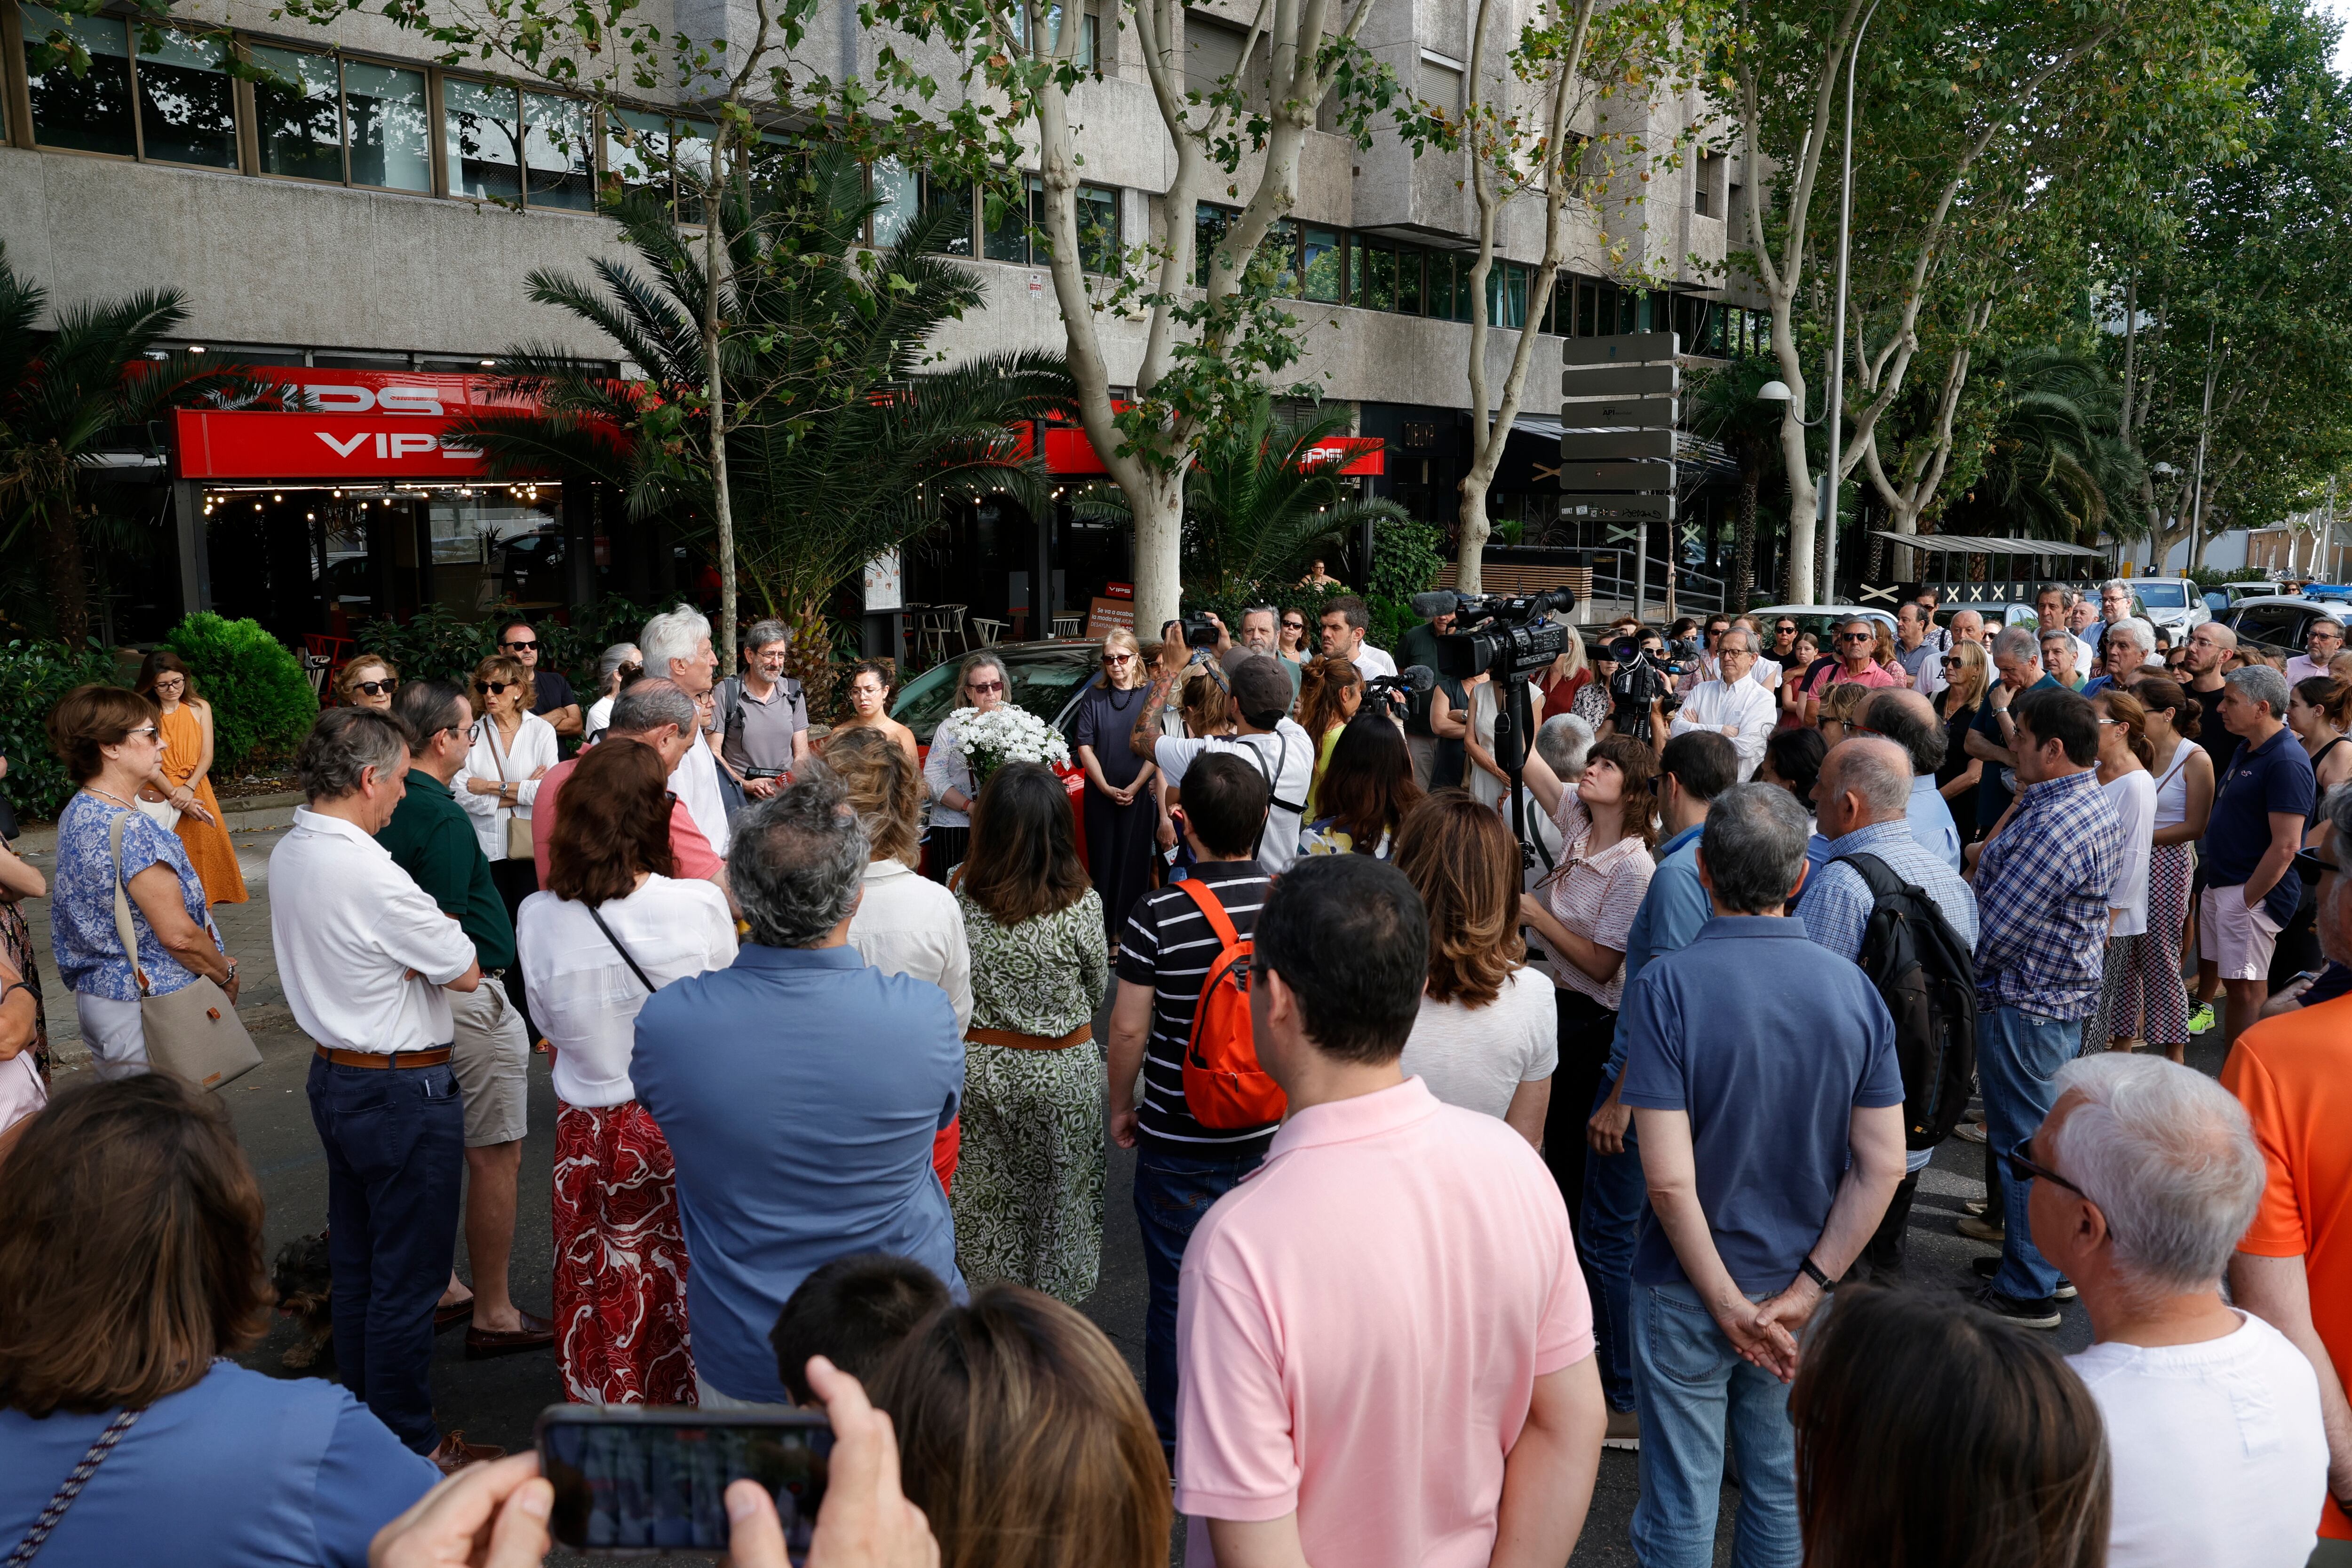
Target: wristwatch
(1812, 1270)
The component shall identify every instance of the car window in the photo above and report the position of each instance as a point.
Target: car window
(1043, 685)
(2161, 595)
(2279, 625)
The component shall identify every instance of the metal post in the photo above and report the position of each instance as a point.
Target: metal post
(2196, 479)
(195, 548)
(1829, 490)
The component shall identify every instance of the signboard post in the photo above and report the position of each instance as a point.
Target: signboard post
(1619, 398)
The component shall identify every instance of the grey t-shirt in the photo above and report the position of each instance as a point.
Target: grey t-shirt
(1477, 1058)
(760, 734)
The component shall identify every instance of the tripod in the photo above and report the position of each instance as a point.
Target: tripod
(1515, 721)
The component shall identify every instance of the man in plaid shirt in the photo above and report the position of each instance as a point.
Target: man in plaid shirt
(2042, 932)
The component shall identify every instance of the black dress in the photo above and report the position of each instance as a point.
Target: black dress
(1956, 762)
(1118, 838)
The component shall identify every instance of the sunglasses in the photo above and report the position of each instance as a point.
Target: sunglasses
(1857, 637)
(1953, 661)
(492, 688)
(2308, 863)
(1785, 627)
(985, 686)
(2022, 1167)
(379, 688)
(1294, 625)
(1119, 658)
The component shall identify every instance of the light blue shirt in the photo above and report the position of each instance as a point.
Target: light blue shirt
(1930, 822)
(1672, 912)
(800, 1092)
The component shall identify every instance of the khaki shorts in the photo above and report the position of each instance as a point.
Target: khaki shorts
(2237, 938)
(493, 1060)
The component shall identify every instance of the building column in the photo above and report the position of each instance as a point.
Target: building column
(579, 507)
(195, 550)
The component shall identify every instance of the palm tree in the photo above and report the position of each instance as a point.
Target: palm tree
(1257, 500)
(2057, 467)
(842, 444)
(1725, 408)
(65, 391)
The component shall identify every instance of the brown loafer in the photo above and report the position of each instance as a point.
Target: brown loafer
(536, 1333)
(454, 1314)
(455, 1453)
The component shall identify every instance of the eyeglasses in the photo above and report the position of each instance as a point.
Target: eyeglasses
(492, 688)
(2022, 1167)
(378, 688)
(1857, 637)
(984, 687)
(1119, 658)
(520, 647)
(144, 732)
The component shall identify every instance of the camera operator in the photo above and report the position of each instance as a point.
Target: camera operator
(1641, 686)
(1263, 734)
(1422, 734)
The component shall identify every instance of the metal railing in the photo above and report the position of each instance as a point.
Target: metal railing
(1618, 580)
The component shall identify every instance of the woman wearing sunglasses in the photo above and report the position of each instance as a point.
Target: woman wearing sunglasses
(512, 749)
(982, 684)
(1290, 641)
(1968, 676)
(368, 680)
(1122, 810)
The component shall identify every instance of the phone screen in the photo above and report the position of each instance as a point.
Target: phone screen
(641, 1478)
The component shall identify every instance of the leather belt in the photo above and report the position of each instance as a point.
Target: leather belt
(385, 1058)
(1078, 1036)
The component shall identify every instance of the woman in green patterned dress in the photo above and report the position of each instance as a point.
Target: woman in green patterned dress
(1028, 1194)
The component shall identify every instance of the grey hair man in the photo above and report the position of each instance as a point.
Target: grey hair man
(2053, 604)
(2017, 654)
(779, 1173)
(1563, 741)
(366, 957)
(1731, 705)
(2115, 600)
(676, 645)
(610, 664)
(2128, 644)
(2261, 810)
(762, 713)
(1765, 1182)
(2145, 1174)
(1258, 624)
(2322, 641)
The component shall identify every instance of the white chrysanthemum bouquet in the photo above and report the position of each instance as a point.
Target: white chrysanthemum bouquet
(1007, 734)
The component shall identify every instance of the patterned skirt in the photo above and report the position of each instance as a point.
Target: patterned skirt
(620, 1261)
(2142, 996)
(1028, 1196)
(16, 944)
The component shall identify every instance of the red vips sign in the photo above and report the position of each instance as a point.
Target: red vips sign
(349, 426)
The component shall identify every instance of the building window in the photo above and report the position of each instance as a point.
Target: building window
(385, 107)
(557, 152)
(1210, 225)
(952, 200)
(482, 139)
(1098, 244)
(1372, 283)
(898, 195)
(1507, 295)
(298, 113)
(1008, 220)
(1408, 294)
(187, 103)
(85, 113)
(1319, 262)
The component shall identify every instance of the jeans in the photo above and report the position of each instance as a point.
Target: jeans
(1614, 1196)
(396, 1141)
(1172, 1193)
(1694, 1392)
(2018, 1056)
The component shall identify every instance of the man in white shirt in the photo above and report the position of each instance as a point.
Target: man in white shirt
(678, 644)
(365, 956)
(1266, 737)
(1344, 620)
(1733, 706)
(2145, 1174)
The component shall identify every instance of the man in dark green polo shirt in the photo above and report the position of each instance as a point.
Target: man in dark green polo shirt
(1418, 646)
(431, 839)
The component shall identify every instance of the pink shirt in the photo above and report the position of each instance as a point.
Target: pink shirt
(1359, 1327)
(697, 860)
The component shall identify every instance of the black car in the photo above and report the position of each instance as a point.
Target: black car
(2280, 623)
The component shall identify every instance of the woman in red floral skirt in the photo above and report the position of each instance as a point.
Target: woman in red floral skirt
(612, 926)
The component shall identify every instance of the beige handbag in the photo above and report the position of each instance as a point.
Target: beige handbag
(519, 847)
(193, 1033)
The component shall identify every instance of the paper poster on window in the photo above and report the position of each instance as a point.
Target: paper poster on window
(1103, 614)
(886, 582)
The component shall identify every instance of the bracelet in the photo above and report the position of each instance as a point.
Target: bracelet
(1812, 1270)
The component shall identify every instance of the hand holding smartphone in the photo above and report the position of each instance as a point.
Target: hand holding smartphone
(638, 1478)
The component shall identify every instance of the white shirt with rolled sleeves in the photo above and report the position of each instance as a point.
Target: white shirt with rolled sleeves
(696, 783)
(533, 752)
(1372, 663)
(1745, 708)
(362, 951)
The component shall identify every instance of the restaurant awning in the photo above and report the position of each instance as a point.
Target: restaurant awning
(1973, 544)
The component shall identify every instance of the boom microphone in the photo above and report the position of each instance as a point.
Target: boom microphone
(1417, 678)
(1435, 602)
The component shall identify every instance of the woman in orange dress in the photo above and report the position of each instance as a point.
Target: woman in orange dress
(186, 728)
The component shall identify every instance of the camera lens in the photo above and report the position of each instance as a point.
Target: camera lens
(1621, 650)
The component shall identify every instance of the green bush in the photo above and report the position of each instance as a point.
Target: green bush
(1406, 559)
(434, 645)
(33, 677)
(262, 701)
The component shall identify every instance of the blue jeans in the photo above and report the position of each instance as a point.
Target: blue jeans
(1614, 1196)
(1694, 1392)
(2018, 1056)
(1172, 1193)
(396, 1141)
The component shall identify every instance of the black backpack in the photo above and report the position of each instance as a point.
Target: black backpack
(1926, 977)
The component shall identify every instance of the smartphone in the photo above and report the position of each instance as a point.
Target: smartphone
(635, 1479)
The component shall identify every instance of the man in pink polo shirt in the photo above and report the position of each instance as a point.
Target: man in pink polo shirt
(651, 711)
(1385, 1343)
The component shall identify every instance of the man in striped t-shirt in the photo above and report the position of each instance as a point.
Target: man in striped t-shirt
(1181, 1166)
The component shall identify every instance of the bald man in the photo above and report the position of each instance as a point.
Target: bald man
(2206, 656)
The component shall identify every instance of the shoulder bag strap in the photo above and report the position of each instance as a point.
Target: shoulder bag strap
(71, 1487)
(498, 749)
(122, 903)
(1213, 911)
(626, 956)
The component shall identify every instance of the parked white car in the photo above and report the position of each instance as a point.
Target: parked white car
(2172, 602)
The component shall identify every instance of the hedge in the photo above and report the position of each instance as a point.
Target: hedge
(262, 701)
(33, 677)
(433, 644)
(1406, 560)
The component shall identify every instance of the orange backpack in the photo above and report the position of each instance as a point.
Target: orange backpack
(1224, 1087)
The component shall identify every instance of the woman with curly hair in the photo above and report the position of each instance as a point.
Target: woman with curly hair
(1487, 1037)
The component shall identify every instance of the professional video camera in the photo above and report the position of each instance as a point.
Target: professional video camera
(1200, 630)
(1509, 639)
(1642, 678)
(1397, 692)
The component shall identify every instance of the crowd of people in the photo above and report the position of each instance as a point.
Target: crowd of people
(1475, 1131)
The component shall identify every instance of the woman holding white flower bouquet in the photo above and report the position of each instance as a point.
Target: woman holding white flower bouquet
(947, 778)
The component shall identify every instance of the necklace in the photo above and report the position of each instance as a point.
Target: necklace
(104, 796)
(1115, 694)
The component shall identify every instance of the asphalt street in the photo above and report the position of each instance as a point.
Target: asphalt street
(495, 1401)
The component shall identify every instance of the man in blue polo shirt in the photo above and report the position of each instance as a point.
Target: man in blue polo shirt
(1761, 1072)
(2260, 809)
(799, 1091)
(1695, 766)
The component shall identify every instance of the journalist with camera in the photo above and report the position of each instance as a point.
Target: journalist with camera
(1642, 678)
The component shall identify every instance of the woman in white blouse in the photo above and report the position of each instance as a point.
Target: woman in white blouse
(980, 684)
(512, 747)
(613, 927)
(2125, 752)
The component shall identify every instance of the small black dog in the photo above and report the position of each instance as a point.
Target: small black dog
(305, 1293)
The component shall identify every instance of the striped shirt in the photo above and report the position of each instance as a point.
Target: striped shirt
(1596, 897)
(1169, 947)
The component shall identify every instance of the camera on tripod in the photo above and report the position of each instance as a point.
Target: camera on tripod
(1642, 676)
(1504, 636)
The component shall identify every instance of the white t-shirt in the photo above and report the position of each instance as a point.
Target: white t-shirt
(1373, 663)
(2134, 798)
(696, 783)
(1477, 1058)
(2220, 1460)
(1284, 756)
